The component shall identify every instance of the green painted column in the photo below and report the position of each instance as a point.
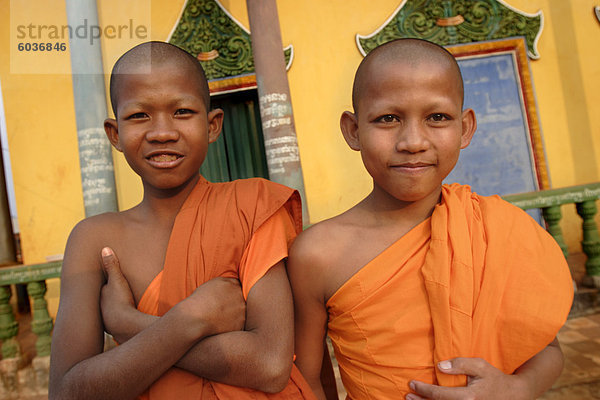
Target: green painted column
(281, 145)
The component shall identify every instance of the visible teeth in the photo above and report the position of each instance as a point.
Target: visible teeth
(164, 157)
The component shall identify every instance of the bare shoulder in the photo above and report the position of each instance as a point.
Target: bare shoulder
(87, 239)
(321, 242)
(97, 228)
(319, 255)
(81, 275)
(98, 224)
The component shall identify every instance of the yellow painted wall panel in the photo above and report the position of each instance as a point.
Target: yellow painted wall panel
(42, 140)
(587, 32)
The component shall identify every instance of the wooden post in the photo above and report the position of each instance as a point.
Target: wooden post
(281, 146)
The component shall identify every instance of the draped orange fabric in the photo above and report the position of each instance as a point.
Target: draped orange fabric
(479, 278)
(237, 229)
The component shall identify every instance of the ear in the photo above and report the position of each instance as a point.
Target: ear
(215, 124)
(469, 126)
(112, 131)
(349, 127)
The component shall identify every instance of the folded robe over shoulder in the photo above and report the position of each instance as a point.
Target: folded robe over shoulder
(238, 230)
(480, 278)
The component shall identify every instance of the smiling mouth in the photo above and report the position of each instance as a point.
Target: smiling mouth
(412, 165)
(164, 157)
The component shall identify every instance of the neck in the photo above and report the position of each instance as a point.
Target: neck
(388, 210)
(162, 205)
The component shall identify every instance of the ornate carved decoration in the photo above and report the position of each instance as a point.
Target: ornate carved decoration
(448, 22)
(223, 46)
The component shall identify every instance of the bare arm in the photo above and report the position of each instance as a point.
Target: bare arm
(542, 370)
(79, 369)
(528, 382)
(328, 376)
(310, 317)
(259, 357)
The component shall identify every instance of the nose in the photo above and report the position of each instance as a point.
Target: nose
(163, 130)
(412, 138)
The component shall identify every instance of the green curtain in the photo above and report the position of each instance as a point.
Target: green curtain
(239, 152)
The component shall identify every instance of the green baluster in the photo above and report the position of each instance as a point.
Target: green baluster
(552, 215)
(8, 325)
(41, 324)
(591, 241)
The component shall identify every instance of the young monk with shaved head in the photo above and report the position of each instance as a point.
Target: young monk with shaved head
(426, 290)
(198, 298)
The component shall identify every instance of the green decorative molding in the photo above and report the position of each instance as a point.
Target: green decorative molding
(555, 197)
(449, 22)
(30, 273)
(223, 46)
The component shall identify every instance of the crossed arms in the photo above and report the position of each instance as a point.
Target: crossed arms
(202, 334)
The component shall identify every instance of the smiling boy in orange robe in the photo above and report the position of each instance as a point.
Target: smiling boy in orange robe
(173, 299)
(426, 290)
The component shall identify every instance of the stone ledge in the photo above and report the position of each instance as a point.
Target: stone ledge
(585, 302)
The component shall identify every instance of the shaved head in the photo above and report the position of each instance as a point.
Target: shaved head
(143, 57)
(413, 52)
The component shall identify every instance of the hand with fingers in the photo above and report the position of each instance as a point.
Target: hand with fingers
(216, 306)
(116, 300)
(484, 381)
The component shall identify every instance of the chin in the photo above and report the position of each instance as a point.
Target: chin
(169, 185)
(414, 196)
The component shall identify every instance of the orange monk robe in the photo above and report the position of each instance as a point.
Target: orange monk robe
(480, 278)
(238, 230)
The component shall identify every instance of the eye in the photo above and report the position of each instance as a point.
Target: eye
(184, 111)
(138, 115)
(387, 119)
(439, 117)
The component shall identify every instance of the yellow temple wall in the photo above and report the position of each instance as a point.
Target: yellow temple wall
(41, 129)
(566, 81)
